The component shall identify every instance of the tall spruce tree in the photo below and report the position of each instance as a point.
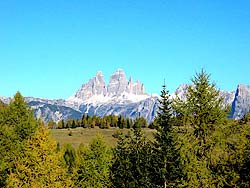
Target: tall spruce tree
(204, 106)
(132, 161)
(166, 155)
(202, 142)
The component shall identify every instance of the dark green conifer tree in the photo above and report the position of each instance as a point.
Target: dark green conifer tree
(166, 155)
(204, 106)
(202, 114)
(63, 124)
(69, 157)
(120, 122)
(132, 162)
(128, 123)
(73, 124)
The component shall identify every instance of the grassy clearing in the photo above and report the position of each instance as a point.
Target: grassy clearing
(85, 135)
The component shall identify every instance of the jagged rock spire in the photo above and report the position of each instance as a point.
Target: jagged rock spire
(95, 86)
(118, 85)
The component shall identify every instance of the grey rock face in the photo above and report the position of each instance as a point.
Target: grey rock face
(117, 92)
(121, 97)
(117, 83)
(136, 88)
(145, 108)
(181, 92)
(47, 112)
(241, 103)
(228, 97)
(95, 86)
(5, 100)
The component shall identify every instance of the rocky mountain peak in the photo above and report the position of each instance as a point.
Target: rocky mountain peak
(128, 99)
(95, 86)
(99, 74)
(119, 72)
(241, 102)
(181, 91)
(118, 85)
(243, 90)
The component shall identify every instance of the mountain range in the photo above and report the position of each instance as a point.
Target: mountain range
(121, 96)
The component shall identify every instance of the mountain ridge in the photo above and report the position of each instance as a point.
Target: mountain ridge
(121, 96)
(118, 85)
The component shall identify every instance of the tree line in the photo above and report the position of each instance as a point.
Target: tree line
(195, 145)
(102, 122)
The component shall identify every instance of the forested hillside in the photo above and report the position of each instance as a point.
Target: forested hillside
(195, 145)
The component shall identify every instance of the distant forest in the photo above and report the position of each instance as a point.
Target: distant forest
(102, 122)
(195, 145)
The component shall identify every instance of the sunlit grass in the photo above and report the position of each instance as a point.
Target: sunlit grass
(85, 135)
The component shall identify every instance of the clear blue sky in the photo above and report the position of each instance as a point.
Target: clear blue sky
(48, 48)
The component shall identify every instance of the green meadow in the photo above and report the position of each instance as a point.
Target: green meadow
(85, 135)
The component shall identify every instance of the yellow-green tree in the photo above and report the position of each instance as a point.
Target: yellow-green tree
(40, 165)
(51, 124)
(94, 165)
(17, 124)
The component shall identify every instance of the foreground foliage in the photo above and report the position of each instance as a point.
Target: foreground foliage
(212, 148)
(166, 152)
(17, 125)
(94, 162)
(39, 164)
(195, 145)
(132, 161)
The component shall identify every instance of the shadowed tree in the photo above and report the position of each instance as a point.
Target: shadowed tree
(132, 161)
(166, 152)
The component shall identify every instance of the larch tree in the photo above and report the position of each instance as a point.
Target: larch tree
(21, 117)
(39, 165)
(17, 124)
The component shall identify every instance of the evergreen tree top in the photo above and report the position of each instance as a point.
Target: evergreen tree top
(164, 109)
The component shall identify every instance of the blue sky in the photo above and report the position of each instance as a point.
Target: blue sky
(48, 48)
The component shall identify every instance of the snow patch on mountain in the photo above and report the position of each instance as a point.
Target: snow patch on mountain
(121, 97)
(119, 90)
